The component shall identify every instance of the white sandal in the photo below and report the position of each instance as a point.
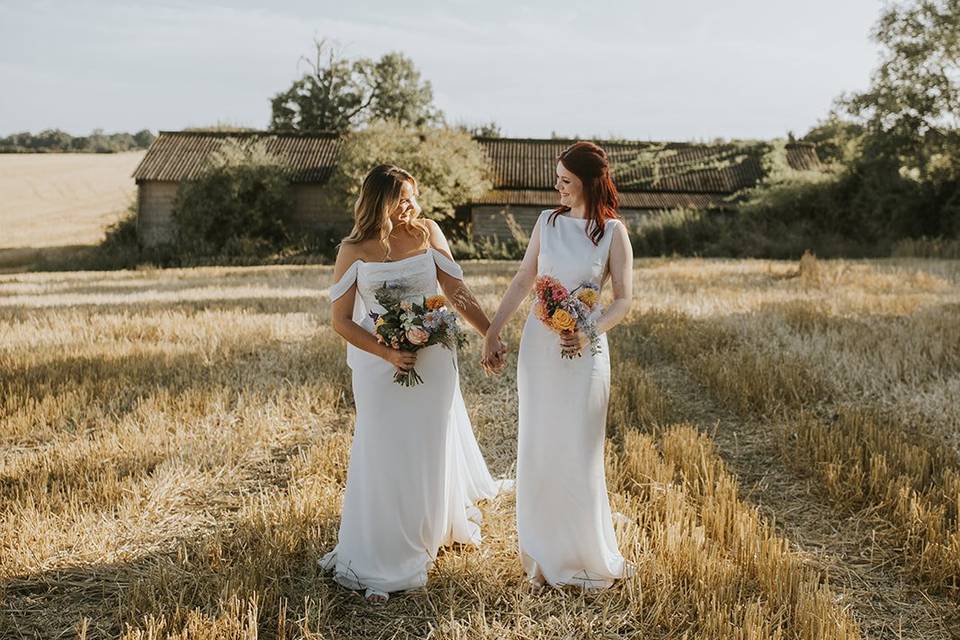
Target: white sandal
(375, 597)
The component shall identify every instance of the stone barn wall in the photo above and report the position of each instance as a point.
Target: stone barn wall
(155, 221)
(312, 214)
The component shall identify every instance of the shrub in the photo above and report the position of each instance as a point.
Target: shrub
(450, 167)
(241, 205)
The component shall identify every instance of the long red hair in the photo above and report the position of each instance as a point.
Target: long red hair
(589, 162)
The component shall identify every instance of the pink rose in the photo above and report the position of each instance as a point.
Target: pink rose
(417, 336)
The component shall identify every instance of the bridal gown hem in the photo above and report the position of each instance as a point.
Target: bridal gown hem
(415, 471)
(564, 523)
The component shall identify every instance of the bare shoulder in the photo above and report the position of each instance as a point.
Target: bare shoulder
(619, 227)
(437, 239)
(620, 237)
(433, 228)
(347, 254)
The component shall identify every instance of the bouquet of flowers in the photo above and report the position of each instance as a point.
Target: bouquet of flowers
(566, 311)
(411, 326)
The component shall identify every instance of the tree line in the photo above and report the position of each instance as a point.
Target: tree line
(895, 147)
(57, 141)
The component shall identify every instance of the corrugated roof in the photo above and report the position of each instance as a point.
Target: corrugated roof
(802, 156)
(628, 200)
(522, 164)
(662, 175)
(181, 155)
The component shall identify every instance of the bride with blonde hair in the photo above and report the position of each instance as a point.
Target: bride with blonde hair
(415, 471)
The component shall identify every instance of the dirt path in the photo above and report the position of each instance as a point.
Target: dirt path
(881, 598)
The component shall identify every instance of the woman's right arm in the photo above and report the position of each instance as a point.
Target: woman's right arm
(341, 318)
(520, 285)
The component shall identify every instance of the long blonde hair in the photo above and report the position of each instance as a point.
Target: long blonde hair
(379, 196)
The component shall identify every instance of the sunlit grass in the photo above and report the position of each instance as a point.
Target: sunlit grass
(175, 446)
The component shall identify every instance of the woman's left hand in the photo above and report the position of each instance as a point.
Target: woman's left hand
(492, 358)
(573, 341)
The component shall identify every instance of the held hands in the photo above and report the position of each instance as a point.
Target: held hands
(493, 359)
(573, 342)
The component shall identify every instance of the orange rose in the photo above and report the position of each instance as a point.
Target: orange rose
(435, 302)
(563, 321)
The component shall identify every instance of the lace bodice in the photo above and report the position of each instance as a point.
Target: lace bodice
(417, 274)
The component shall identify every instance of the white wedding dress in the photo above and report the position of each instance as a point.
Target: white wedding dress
(415, 470)
(564, 523)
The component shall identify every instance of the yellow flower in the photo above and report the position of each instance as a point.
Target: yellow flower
(563, 321)
(587, 297)
(435, 302)
(379, 321)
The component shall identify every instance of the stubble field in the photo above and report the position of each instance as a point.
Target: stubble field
(61, 199)
(783, 446)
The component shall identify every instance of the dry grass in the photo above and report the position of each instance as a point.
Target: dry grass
(175, 444)
(864, 400)
(55, 199)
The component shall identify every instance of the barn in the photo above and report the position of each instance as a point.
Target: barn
(175, 156)
(651, 177)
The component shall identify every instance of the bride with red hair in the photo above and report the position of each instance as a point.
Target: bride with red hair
(564, 523)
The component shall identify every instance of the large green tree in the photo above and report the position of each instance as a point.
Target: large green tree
(450, 167)
(897, 144)
(338, 94)
(912, 109)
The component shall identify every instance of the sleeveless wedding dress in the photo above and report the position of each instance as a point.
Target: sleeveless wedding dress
(564, 523)
(415, 470)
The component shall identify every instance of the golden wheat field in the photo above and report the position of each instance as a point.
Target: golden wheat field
(784, 443)
(56, 199)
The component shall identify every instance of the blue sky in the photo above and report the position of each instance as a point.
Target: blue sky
(679, 70)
